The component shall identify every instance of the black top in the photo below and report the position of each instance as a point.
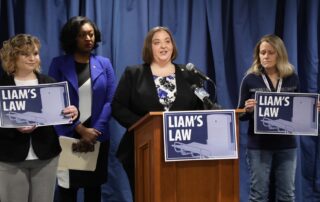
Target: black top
(14, 146)
(83, 72)
(136, 94)
(252, 83)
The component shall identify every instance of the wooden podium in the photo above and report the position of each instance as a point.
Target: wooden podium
(183, 181)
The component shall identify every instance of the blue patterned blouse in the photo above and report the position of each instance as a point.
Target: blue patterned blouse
(166, 89)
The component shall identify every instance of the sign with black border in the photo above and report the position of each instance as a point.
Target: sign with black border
(286, 113)
(38, 105)
(199, 135)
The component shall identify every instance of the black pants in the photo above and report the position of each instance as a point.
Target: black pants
(91, 194)
(125, 155)
(129, 168)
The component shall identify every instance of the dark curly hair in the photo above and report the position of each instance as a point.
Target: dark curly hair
(71, 30)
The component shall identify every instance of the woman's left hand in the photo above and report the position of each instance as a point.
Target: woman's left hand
(318, 106)
(71, 112)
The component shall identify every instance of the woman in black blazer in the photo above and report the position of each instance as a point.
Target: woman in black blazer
(28, 155)
(157, 85)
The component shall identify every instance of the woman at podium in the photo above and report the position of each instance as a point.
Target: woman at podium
(158, 84)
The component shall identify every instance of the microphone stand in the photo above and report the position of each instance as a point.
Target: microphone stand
(203, 95)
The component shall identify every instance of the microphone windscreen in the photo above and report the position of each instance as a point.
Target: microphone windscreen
(190, 66)
(194, 87)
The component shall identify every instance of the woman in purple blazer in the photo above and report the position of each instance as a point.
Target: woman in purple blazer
(91, 83)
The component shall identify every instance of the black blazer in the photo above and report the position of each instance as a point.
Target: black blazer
(14, 146)
(136, 95)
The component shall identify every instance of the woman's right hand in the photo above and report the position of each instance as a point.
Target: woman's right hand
(249, 105)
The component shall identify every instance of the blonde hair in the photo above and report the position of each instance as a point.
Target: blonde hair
(147, 54)
(15, 46)
(283, 65)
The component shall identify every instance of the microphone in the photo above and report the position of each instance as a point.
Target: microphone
(203, 95)
(190, 67)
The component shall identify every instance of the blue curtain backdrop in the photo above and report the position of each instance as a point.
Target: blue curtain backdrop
(218, 36)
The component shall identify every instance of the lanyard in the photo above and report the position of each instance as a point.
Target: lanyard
(267, 83)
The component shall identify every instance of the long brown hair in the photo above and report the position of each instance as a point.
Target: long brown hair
(283, 65)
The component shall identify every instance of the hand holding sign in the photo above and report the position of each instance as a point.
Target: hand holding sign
(249, 105)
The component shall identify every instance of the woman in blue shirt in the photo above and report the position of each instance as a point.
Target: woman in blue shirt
(267, 153)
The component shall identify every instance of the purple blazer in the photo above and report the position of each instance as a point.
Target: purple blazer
(103, 85)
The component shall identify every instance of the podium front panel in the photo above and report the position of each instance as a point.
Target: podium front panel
(182, 181)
